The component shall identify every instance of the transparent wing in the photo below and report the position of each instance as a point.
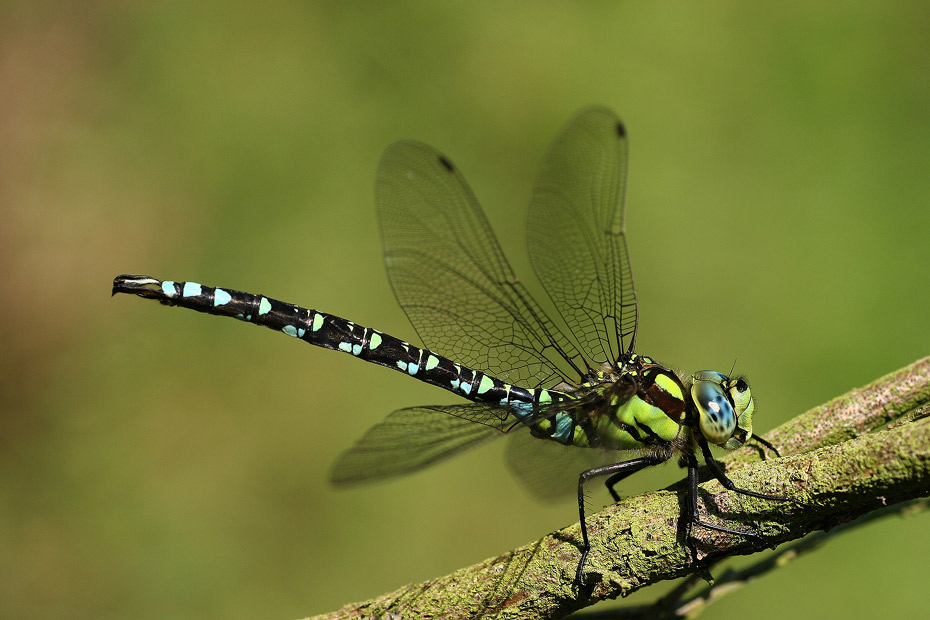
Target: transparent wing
(576, 234)
(411, 439)
(548, 469)
(452, 279)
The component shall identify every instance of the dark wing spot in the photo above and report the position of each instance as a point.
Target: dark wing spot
(621, 130)
(446, 163)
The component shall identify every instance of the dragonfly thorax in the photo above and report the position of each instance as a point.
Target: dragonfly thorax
(640, 403)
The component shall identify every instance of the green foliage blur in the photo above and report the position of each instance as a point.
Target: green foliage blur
(158, 463)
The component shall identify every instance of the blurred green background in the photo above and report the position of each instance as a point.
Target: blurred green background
(158, 463)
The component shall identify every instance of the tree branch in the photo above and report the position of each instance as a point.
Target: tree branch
(837, 460)
(680, 603)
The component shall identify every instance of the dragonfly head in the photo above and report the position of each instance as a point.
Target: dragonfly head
(724, 408)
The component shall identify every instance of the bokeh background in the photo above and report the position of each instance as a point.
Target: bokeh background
(159, 463)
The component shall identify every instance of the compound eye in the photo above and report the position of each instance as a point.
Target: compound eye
(715, 412)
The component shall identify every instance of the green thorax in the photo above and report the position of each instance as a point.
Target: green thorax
(634, 404)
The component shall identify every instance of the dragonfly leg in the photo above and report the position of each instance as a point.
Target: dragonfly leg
(728, 484)
(718, 473)
(765, 443)
(616, 479)
(617, 472)
(694, 517)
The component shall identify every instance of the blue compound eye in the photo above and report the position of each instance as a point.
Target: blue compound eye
(716, 416)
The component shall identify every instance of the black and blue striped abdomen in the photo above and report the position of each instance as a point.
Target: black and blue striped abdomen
(333, 332)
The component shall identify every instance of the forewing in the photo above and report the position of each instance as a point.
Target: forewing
(451, 277)
(576, 233)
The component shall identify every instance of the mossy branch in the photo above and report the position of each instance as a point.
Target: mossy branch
(858, 453)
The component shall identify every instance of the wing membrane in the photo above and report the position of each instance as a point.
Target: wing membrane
(577, 238)
(411, 439)
(451, 277)
(547, 469)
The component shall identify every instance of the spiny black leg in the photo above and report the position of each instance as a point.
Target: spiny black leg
(728, 484)
(615, 479)
(719, 474)
(767, 445)
(695, 518)
(615, 470)
(692, 517)
(717, 471)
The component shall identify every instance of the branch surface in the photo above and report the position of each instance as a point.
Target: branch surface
(867, 449)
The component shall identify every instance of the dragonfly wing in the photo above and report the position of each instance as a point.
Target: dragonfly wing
(577, 237)
(452, 279)
(548, 469)
(411, 439)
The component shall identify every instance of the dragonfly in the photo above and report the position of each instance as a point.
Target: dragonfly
(568, 388)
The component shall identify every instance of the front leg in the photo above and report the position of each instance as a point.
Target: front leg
(717, 471)
(728, 484)
(693, 514)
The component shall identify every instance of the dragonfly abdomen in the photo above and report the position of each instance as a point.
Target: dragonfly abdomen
(333, 332)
